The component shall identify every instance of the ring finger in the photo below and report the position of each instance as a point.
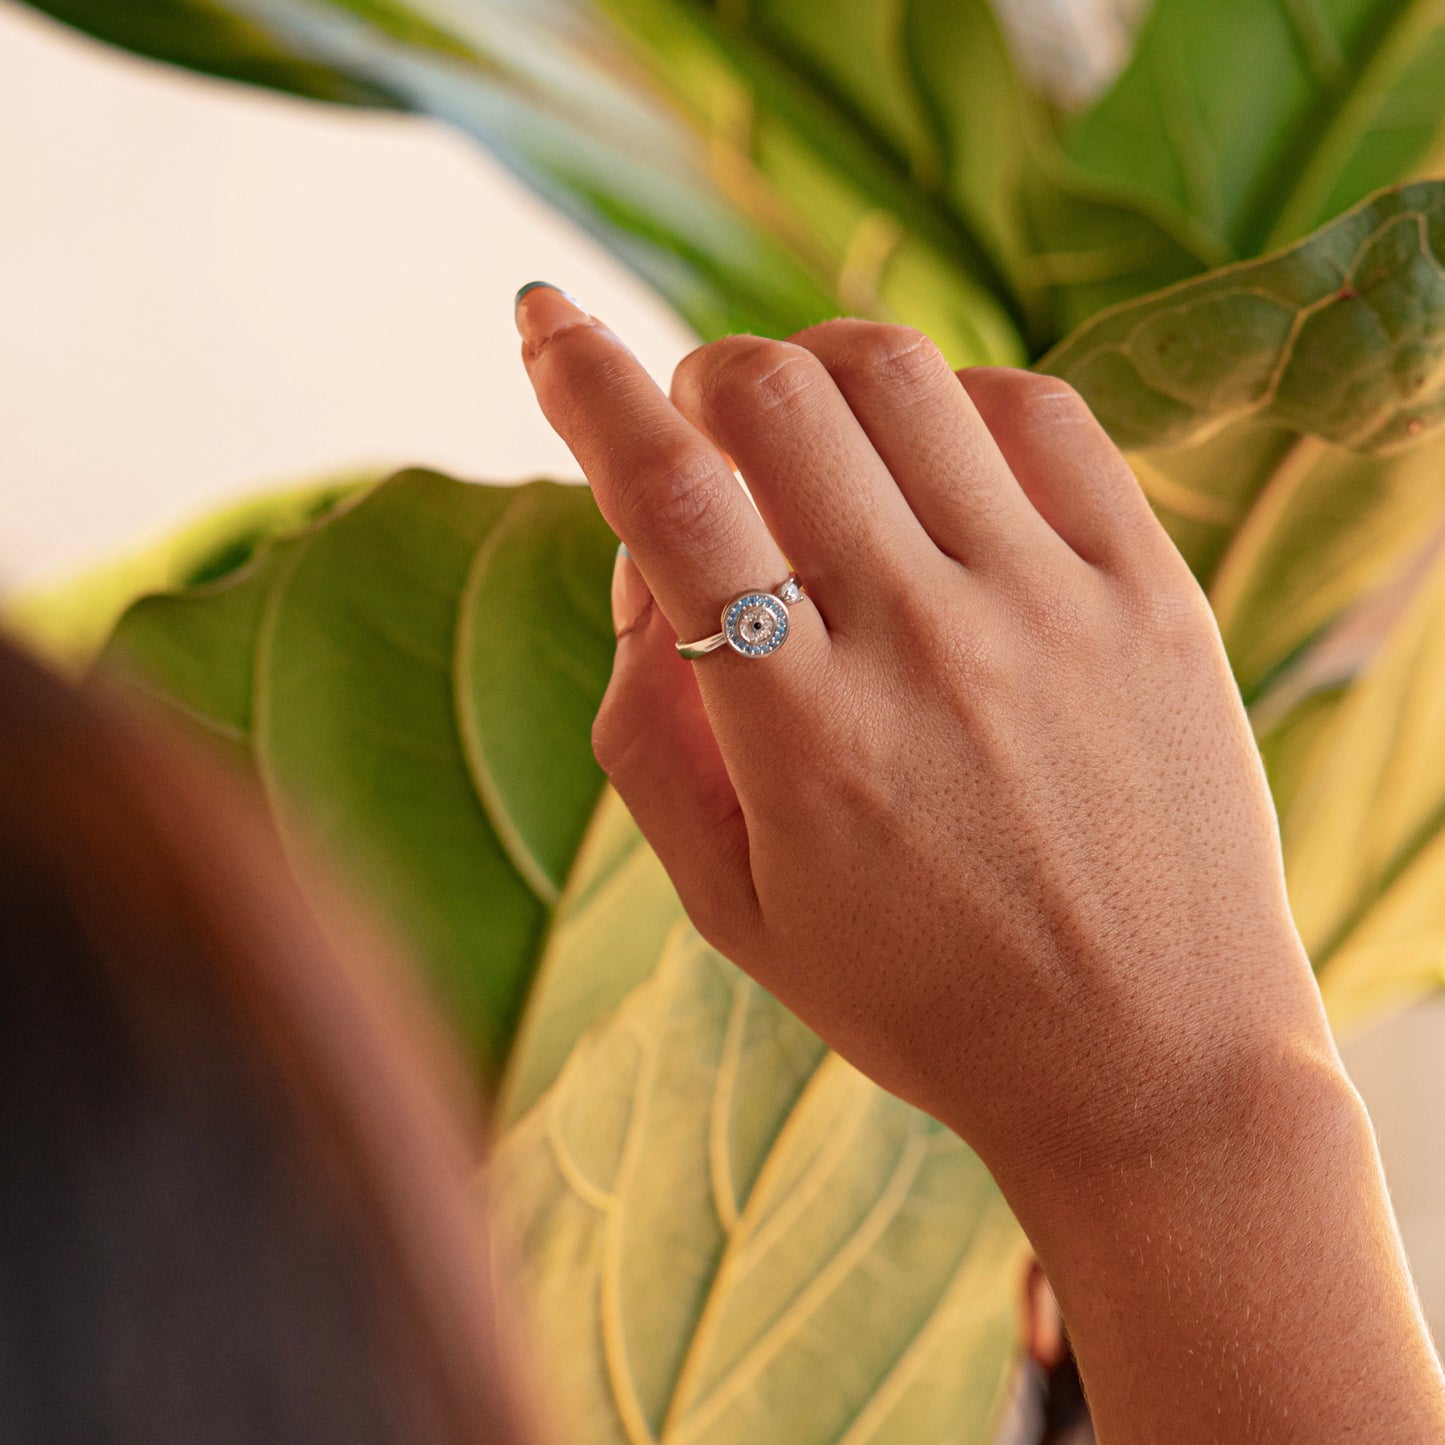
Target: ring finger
(930, 435)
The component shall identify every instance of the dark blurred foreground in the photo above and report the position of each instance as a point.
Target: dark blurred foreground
(234, 1200)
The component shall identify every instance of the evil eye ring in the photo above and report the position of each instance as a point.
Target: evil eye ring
(754, 624)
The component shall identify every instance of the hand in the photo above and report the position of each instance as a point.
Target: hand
(993, 822)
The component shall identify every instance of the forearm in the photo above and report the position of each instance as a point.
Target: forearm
(1244, 1281)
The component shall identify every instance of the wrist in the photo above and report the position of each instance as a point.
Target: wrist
(1219, 1257)
(1282, 1096)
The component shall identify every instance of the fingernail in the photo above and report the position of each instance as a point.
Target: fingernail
(631, 599)
(542, 310)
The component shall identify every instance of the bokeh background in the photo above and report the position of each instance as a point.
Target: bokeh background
(206, 289)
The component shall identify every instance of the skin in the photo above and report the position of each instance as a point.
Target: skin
(993, 823)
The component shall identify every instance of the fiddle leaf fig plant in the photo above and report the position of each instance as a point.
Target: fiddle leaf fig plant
(411, 683)
(1342, 337)
(1247, 283)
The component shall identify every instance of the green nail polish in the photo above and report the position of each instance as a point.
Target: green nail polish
(533, 285)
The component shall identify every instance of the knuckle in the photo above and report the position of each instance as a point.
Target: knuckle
(753, 375)
(892, 355)
(1043, 387)
(1057, 613)
(829, 335)
(1053, 400)
(716, 922)
(1033, 388)
(613, 740)
(677, 492)
(1168, 612)
(687, 375)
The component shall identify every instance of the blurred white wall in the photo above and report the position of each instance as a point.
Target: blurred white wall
(204, 289)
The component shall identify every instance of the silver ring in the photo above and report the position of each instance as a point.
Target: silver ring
(754, 624)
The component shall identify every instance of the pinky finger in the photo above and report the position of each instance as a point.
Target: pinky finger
(1074, 475)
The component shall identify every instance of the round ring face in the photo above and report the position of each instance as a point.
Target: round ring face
(755, 624)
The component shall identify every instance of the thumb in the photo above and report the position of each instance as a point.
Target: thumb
(653, 740)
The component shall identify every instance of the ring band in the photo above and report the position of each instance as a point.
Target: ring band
(754, 624)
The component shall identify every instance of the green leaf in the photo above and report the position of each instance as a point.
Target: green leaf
(727, 1234)
(1067, 245)
(70, 621)
(769, 165)
(217, 39)
(533, 654)
(1391, 130)
(1364, 827)
(902, 139)
(1342, 337)
(412, 681)
(822, 110)
(195, 650)
(1252, 123)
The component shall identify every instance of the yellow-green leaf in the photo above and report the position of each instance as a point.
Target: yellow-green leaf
(1204, 492)
(607, 934)
(728, 1235)
(1332, 527)
(1364, 832)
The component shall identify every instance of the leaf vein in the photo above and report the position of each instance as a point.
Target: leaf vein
(956, 1307)
(822, 1284)
(724, 1190)
(614, 1335)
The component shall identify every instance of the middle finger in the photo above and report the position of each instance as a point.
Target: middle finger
(817, 479)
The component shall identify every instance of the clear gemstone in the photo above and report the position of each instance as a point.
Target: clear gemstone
(757, 624)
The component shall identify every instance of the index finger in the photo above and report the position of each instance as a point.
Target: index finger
(662, 486)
